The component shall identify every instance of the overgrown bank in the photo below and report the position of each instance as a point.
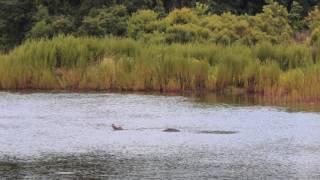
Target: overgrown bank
(70, 63)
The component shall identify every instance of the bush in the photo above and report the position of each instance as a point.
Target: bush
(182, 16)
(48, 26)
(274, 22)
(105, 21)
(313, 19)
(143, 21)
(185, 33)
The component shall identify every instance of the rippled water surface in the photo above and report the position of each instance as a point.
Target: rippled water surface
(67, 136)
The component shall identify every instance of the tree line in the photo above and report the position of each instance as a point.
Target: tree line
(219, 21)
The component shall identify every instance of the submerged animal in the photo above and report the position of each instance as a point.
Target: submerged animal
(116, 128)
(171, 130)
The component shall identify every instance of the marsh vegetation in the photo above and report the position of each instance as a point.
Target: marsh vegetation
(273, 52)
(87, 63)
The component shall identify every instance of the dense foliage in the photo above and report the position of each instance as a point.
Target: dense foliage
(220, 21)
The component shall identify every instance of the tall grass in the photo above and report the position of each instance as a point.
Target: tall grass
(86, 63)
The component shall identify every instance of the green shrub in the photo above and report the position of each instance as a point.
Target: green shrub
(101, 22)
(183, 33)
(313, 19)
(143, 21)
(182, 16)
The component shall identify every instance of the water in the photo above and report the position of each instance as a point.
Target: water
(69, 136)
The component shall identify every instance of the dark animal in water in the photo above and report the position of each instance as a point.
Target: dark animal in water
(171, 130)
(116, 128)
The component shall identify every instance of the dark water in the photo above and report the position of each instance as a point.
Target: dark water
(69, 136)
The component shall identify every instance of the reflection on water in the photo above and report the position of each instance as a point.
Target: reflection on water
(67, 136)
(217, 132)
(253, 100)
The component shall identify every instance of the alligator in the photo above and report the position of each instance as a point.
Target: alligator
(171, 130)
(116, 128)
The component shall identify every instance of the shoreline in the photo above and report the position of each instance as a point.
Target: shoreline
(259, 98)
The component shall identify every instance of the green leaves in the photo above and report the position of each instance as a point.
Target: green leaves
(313, 21)
(105, 21)
(143, 21)
(15, 21)
(296, 16)
(216, 21)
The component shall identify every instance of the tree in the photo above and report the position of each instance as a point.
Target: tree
(235, 6)
(295, 16)
(201, 9)
(143, 21)
(40, 30)
(21, 19)
(313, 19)
(182, 16)
(273, 21)
(105, 21)
(15, 21)
(47, 26)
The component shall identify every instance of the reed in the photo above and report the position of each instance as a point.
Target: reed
(87, 63)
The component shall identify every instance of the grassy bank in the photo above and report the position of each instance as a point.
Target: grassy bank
(290, 71)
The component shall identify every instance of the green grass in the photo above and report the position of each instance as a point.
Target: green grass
(85, 63)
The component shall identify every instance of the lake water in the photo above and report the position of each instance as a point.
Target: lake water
(69, 136)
